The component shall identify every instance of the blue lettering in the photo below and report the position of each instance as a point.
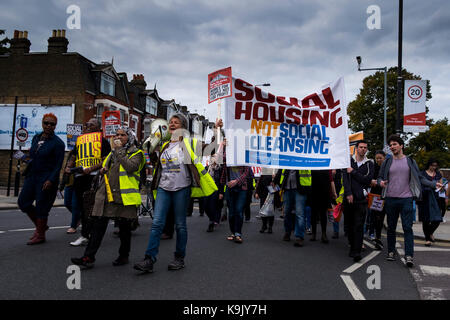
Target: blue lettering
(299, 144)
(283, 130)
(290, 143)
(322, 147)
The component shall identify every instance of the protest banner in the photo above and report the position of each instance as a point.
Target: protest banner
(271, 131)
(219, 84)
(74, 130)
(111, 122)
(414, 119)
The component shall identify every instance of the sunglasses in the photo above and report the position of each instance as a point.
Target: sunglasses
(49, 123)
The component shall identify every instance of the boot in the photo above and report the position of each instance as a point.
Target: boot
(32, 216)
(41, 227)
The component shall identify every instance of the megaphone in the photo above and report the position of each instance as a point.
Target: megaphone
(159, 133)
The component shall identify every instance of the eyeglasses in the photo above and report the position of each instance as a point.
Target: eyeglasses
(49, 123)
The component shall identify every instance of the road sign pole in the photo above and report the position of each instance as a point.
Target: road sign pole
(17, 180)
(12, 148)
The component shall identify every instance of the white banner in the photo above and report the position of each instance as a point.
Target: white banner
(414, 119)
(269, 131)
(29, 117)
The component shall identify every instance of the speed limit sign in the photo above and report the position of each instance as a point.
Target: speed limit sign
(415, 92)
(22, 135)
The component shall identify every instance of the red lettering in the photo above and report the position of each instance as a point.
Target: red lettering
(239, 85)
(273, 116)
(239, 110)
(319, 115)
(333, 122)
(305, 116)
(317, 102)
(256, 108)
(291, 115)
(270, 98)
(294, 102)
(328, 95)
(283, 101)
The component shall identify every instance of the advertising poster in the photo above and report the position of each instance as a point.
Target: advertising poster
(111, 122)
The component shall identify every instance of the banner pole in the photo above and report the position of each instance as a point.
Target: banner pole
(219, 112)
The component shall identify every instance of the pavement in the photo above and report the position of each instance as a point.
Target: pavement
(441, 234)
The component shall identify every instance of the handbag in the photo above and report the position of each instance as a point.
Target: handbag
(337, 212)
(89, 195)
(267, 208)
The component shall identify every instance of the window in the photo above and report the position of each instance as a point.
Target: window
(108, 85)
(151, 106)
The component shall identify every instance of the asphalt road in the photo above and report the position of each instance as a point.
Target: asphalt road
(262, 268)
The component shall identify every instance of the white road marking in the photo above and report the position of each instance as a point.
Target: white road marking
(429, 293)
(435, 271)
(20, 230)
(430, 249)
(367, 243)
(359, 264)
(351, 286)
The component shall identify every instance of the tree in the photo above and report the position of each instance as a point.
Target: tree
(366, 112)
(3, 43)
(434, 143)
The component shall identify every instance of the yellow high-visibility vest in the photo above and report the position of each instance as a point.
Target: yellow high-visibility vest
(207, 184)
(304, 177)
(129, 183)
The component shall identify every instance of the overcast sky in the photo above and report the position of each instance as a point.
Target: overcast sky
(297, 46)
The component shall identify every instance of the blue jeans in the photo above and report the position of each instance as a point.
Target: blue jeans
(404, 207)
(294, 200)
(179, 201)
(71, 203)
(308, 217)
(236, 203)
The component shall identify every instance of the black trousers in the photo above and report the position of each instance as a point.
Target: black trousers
(429, 227)
(442, 206)
(266, 220)
(98, 230)
(80, 185)
(319, 211)
(355, 216)
(211, 207)
(248, 202)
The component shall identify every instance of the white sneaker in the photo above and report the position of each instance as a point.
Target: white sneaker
(81, 241)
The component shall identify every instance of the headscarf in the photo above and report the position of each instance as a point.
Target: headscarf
(132, 139)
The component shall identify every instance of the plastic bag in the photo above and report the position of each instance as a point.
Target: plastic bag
(337, 212)
(267, 208)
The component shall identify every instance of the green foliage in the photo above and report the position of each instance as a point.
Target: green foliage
(366, 112)
(434, 143)
(3, 43)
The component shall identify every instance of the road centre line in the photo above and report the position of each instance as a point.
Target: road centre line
(351, 286)
(359, 264)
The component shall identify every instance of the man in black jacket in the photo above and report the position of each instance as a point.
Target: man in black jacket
(357, 180)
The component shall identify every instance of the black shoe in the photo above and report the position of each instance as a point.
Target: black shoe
(202, 214)
(335, 235)
(287, 236)
(120, 261)
(146, 265)
(263, 229)
(176, 264)
(357, 258)
(324, 239)
(210, 227)
(269, 230)
(86, 262)
(313, 237)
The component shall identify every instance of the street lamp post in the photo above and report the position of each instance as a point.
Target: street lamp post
(358, 59)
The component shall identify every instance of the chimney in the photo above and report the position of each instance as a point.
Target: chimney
(58, 42)
(139, 82)
(20, 44)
